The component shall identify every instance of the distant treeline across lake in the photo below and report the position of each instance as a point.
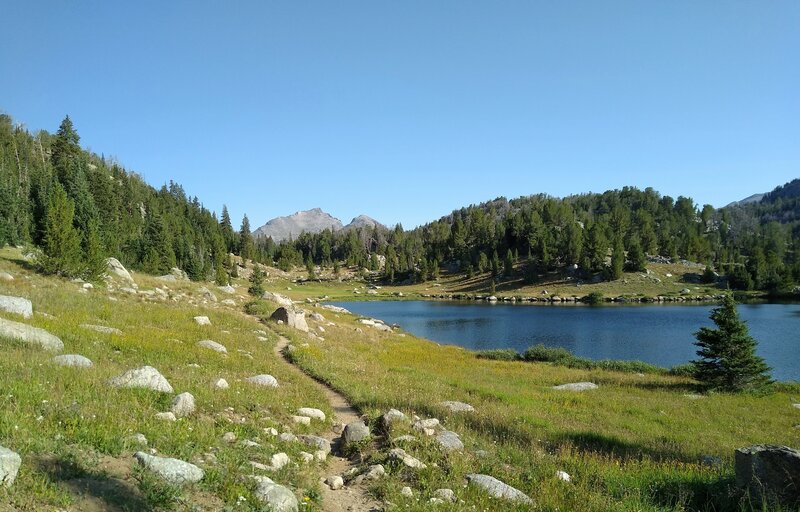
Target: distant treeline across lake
(658, 334)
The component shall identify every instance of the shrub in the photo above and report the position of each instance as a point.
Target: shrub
(503, 354)
(593, 298)
(547, 354)
(683, 370)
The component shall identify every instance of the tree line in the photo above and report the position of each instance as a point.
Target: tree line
(593, 235)
(80, 207)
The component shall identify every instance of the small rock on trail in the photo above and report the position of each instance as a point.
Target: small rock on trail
(278, 497)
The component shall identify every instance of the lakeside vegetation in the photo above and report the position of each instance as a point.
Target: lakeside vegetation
(645, 441)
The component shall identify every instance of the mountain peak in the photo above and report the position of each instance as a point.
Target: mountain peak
(314, 220)
(307, 221)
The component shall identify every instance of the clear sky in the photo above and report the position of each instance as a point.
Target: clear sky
(406, 110)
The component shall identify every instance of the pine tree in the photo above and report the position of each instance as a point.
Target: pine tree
(256, 282)
(728, 360)
(508, 264)
(228, 235)
(95, 255)
(636, 258)
(245, 240)
(62, 243)
(617, 259)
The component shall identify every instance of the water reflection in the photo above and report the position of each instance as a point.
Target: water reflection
(662, 335)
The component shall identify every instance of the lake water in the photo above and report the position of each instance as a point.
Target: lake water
(657, 334)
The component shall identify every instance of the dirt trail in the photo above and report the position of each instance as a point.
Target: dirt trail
(350, 498)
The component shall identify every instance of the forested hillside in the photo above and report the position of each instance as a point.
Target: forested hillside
(594, 235)
(80, 207)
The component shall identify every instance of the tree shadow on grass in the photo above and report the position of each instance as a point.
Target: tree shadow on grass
(93, 490)
(672, 387)
(605, 444)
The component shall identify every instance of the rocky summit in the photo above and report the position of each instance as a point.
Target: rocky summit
(309, 221)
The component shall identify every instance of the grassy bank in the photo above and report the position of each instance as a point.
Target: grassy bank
(639, 442)
(73, 430)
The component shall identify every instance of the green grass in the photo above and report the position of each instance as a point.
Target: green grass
(636, 443)
(71, 418)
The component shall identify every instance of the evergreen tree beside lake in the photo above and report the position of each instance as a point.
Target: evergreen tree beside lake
(727, 355)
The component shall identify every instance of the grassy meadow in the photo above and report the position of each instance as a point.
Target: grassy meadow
(663, 279)
(72, 429)
(639, 442)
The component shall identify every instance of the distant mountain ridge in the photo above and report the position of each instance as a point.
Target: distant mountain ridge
(309, 221)
(755, 198)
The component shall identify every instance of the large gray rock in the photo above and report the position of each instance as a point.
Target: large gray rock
(145, 377)
(183, 405)
(101, 328)
(355, 432)
(292, 318)
(16, 305)
(263, 380)
(115, 268)
(5, 276)
(769, 470)
(73, 360)
(497, 488)
(576, 386)
(31, 335)
(174, 471)
(278, 497)
(449, 441)
(320, 443)
(9, 466)
(212, 345)
(454, 406)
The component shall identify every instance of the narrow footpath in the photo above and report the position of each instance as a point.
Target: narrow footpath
(350, 498)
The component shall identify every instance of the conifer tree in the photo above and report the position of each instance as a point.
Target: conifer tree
(637, 260)
(62, 244)
(245, 240)
(728, 360)
(508, 264)
(95, 255)
(228, 235)
(256, 282)
(617, 259)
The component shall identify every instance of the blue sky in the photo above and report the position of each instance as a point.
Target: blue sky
(407, 110)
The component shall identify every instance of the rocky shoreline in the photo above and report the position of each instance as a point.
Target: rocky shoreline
(557, 299)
